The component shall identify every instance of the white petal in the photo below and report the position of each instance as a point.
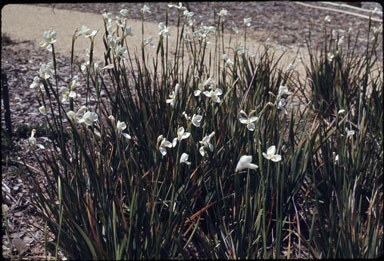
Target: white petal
(127, 136)
(184, 159)
(276, 158)
(210, 146)
(265, 155)
(174, 142)
(166, 143)
(207, 93)
(243, 120)
(185, 135)
(197, 92)
(271, 150)
(218, 92)
(163, 151)
(253, 118)
(202, 151)
(245, 163)
(251, 127)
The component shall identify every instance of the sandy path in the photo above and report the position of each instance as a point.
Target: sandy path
(35, 20)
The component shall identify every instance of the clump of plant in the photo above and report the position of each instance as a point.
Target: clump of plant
(198, 153)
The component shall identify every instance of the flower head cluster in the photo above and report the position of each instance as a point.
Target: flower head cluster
(179, 7)
(37, 83)
(201, 87)
(88, 118)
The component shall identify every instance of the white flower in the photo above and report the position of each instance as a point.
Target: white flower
(201, 86)
(86, 32)
(281, 105)
(188, 14)
(172, 97)
(180, 6)
(88, 118)
(245, 163)
(270, 155)
(349, 132)
(148, 41)
(49, 39)
(120, 21)
(64, 92)
(120, 126)
(327, 19)
(120, 51)
(124, 12)
(184, 159)
(46, 70)
(222, 13)
(249, 120)
(341, 40)
(181, 135)
(330, 56)
(32, 141)
(42, 110)
(247, 22)
(196, 120)
(164, 144)
(283, 90)
(214, 94)
(107, 16)
(164, 30)
(206, 142)
(145, 9)
(36, 82)
(76, 116)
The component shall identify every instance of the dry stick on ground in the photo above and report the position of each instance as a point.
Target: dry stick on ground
(340, 11)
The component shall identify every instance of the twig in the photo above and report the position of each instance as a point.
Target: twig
(340, 11)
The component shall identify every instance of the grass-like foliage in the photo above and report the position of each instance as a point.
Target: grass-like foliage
(212, 152)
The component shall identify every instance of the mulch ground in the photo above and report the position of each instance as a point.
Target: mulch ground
(287, 24)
